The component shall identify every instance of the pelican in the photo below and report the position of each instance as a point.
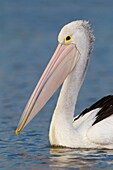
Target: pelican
(93, 128)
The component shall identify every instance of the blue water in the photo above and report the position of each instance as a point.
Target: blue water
(28, 37)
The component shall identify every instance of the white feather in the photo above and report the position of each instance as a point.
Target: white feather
(82, 133)
(102, 132)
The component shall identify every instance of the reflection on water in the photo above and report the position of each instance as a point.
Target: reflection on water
(54, 158)
(28, 37)
(81, 158)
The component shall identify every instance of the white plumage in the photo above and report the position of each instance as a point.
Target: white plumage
(93, 127)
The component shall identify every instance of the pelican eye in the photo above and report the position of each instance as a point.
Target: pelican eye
(68, 39)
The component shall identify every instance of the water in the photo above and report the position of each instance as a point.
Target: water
(28, 37)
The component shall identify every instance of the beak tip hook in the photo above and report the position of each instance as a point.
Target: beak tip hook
(17, 132)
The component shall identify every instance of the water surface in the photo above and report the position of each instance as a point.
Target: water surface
(28, 37)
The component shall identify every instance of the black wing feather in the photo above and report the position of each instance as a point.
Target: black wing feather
(106, 105)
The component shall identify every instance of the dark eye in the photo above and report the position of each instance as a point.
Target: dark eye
(68, 39)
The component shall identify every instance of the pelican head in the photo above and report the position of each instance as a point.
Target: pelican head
(74, 44)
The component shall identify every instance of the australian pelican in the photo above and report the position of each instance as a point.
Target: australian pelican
(93, 128)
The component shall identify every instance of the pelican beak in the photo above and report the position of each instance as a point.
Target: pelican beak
(61, 64)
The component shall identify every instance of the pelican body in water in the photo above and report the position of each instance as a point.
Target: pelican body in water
(93, 128)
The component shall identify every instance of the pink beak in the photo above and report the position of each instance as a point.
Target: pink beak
(61, 64)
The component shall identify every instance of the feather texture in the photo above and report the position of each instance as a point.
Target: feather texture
(106, 109)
